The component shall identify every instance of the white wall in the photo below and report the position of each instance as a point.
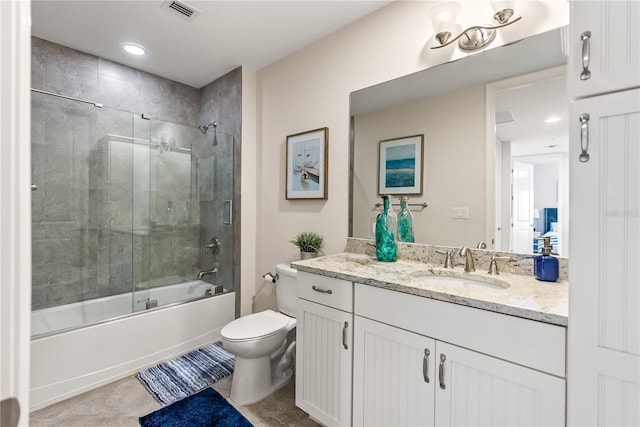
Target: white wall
(453, 126)
(310, 89)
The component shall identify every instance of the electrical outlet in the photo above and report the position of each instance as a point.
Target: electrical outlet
(460, 213)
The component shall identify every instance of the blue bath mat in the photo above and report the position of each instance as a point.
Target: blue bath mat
(183, 376)
(205, 409)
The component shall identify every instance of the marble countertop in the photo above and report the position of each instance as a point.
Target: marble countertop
(512, 294)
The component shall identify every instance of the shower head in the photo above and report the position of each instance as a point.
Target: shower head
(205, 128)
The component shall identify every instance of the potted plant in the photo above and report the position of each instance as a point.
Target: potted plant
(309, 243)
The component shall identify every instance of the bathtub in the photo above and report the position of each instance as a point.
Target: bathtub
(97, 310)
(78, 359)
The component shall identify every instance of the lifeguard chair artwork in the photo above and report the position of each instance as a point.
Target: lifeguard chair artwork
(307, 164)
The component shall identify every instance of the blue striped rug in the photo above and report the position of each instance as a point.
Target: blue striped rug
(183, 376)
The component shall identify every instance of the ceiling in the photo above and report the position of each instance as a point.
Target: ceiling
(196, 51)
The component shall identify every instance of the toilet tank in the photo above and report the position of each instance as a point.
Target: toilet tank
(286, 289)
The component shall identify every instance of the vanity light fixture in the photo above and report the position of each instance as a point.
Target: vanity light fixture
(134, 49)
(553, 119)
(475, 37)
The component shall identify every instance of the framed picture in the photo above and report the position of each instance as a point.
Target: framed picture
(307, 164)
(400, 166)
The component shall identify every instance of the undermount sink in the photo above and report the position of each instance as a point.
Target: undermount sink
(454, 279)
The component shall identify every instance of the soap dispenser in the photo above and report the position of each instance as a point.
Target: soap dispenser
(546, 266)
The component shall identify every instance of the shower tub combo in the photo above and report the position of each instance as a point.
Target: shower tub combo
(124, 221)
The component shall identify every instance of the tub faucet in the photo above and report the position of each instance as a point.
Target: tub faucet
(468, 259)
(213, 270)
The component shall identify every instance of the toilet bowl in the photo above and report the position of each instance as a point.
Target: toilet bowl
(264, 344)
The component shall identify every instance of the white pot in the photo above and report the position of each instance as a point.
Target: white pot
(308, 255)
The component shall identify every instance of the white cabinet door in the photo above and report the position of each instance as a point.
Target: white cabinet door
(393, 376)
(611, 33)
(604, 326)
(324, 339)
(474, 389)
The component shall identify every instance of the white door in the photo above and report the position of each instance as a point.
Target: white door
(323, 373)
(611, 30)
(394, 376)
(604, 325)
(15, 215)
(473, 389)
(522, 208)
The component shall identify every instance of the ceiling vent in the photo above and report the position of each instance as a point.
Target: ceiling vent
(504, 116)
(183, 10)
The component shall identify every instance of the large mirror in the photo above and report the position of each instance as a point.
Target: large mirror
(495, 147)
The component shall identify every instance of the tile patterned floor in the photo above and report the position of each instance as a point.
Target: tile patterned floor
(122, 402)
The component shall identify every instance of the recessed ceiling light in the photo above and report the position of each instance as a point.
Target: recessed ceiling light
(553, 119)
(134, 49)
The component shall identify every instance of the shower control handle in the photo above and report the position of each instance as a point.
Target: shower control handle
(213, 246)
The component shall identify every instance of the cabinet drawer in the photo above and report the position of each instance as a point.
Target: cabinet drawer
(328, 291)
(526, 342)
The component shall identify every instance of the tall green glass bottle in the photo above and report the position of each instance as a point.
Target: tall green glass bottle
(405, 222)
(386, 247)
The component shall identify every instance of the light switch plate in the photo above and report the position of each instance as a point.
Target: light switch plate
(460, 213)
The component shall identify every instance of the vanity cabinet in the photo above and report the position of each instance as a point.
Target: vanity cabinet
(324, 337)
(408, 372)
(605, 53)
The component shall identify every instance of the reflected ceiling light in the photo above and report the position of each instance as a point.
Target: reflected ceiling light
(134, 49)
(475, 37)
(553, 119)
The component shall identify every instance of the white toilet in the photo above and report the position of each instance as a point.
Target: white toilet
(264, 344)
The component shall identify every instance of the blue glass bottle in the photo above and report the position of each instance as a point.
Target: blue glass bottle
(405, 222)
(545, 266)
(386, 247)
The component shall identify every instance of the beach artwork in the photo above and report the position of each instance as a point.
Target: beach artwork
(400, 166)
(306, 165)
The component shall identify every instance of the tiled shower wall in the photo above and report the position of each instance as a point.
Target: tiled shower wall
(73, 258)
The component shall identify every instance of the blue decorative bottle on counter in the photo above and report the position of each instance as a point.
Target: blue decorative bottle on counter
(545, 266)
(405, 222)
(386, 247)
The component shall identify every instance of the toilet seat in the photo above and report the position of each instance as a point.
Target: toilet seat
(255, 326)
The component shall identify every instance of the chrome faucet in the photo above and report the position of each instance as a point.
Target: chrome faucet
(213, 270)
(468, 260)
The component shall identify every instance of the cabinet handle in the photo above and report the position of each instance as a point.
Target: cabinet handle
(441, 371)
(586, 55)
(584, 137)
(425, 365)
(344, 336)
(322, 291)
